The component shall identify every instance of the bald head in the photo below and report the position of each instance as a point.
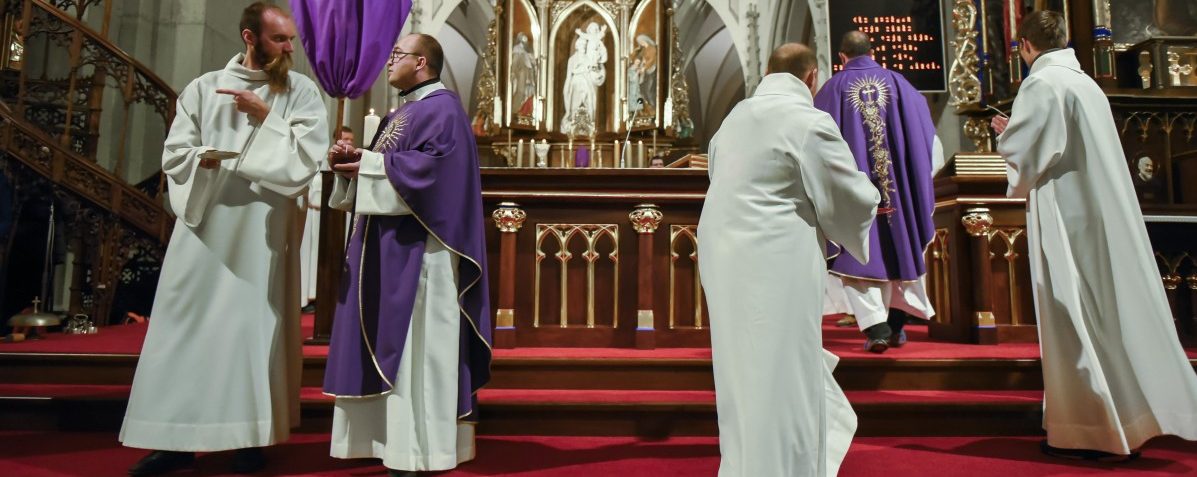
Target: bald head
(855, 43)
(792, 58)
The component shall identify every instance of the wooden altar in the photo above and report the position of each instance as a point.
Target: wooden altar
(596, 258)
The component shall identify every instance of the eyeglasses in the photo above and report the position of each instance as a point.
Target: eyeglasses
(397, 54)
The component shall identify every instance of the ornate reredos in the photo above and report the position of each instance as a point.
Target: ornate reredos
(625, 44)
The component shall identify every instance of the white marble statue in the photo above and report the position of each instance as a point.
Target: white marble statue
(585, 72)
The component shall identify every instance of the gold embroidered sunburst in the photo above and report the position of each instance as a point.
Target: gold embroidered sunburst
(869, 96)
(390, 135)
(869, 92)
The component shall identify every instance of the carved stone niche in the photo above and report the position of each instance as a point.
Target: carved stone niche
(1160, 63)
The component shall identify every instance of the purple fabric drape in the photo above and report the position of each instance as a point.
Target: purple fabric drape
(348, 42)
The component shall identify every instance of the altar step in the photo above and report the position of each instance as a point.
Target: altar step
(687, 369)
(648, 414)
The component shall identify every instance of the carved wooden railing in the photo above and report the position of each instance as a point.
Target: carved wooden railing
(67, 169)
(76, 112)
(75, 85)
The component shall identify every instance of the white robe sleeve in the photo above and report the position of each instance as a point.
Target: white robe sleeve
(343, 194)
(1034, 140)
(287, 148)
(937, 159)
(315, 191)
(190, 187)
(375, 194)
(844, 199)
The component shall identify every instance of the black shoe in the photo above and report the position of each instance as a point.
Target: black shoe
(878, 338)
(1086, 454)
(161, 462)
(248, 460)
(896, 320)
(876, 346)
(308, 308)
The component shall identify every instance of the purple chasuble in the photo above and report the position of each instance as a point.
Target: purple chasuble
(888, 127)
(432, 161)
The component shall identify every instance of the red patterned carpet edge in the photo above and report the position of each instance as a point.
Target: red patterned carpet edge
(844, 342)
(44, 454)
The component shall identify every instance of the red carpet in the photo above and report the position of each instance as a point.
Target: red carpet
(567, 396)
(844, 342)
(29, 454)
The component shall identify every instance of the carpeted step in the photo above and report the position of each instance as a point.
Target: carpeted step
(651, 413)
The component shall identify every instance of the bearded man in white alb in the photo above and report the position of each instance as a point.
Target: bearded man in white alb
(1114, 374)
(221, 362)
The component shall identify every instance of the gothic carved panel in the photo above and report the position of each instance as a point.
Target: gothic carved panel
(82, 178)
(591, 242)
(683, 268)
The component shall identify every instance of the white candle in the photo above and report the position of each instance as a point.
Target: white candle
(640, 153)
(370, 127)
(616, 159)
(519, 154)
(498, 111)
(595, 159)
(668, 112)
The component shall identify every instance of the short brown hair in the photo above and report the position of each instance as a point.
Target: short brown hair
(1044, 30)
(855, 43)
(430, 49)
(251, 17)
(793, 58)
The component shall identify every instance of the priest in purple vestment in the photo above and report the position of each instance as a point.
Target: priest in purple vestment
(411, 334)
(888, 127)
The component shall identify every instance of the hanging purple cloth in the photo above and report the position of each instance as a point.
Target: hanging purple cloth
(348, 42)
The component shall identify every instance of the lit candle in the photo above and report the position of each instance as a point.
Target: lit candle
(370, 127)
(640, 155)
(617, 159)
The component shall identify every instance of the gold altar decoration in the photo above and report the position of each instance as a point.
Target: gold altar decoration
(963, 84)
(1171, 276)
(645, 218)
(978, 222)
(485, 120)
(976, 129)
(509, 218)
(563, 235)
(677, 105)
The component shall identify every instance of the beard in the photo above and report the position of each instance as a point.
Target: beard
(276, 69)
